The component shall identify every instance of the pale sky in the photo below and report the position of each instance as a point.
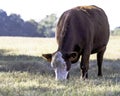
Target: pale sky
(38, 9)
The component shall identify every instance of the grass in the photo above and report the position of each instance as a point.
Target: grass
(24, 73)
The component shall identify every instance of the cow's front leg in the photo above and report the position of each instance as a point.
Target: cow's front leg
(85, 65)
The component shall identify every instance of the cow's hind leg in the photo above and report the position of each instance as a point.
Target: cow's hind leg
(100, 60)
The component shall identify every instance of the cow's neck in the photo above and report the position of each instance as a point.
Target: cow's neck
(65, 45)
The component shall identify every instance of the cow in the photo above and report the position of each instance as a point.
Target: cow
(81, 31)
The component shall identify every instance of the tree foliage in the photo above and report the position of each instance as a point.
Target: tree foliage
(14, 25)
(46, 26)
(116, 31)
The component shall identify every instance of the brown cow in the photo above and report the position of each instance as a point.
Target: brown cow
(82, 30)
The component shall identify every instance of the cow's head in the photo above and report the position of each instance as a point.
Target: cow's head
(61, 63)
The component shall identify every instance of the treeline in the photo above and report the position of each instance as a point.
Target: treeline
(14, 25)
(116, 31)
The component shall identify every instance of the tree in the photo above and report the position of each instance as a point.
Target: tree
(46, 26)
(30, 29)
(14, 25)
(3, 16)
(116, 31)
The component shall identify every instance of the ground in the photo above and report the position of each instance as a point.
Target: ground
(23, 72)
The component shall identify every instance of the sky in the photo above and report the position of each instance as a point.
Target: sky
(38, 9)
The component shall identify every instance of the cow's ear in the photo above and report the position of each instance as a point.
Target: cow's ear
(73, 57)
(48, 57)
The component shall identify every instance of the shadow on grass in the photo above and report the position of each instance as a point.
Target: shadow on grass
(22, 63)
(110, 69)
(34, 64)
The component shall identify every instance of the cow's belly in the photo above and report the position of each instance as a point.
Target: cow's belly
(97, 49)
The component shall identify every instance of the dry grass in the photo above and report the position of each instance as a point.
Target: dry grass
(26, 46)
(24, 73)
(37, 46)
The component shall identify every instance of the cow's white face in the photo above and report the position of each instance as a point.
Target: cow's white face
(59, 65)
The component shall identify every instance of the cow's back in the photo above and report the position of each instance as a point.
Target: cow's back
(84, 26)
(100, 29)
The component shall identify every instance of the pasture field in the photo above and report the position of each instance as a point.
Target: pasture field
(23, 72)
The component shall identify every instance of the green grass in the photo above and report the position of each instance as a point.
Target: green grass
(23, 72)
